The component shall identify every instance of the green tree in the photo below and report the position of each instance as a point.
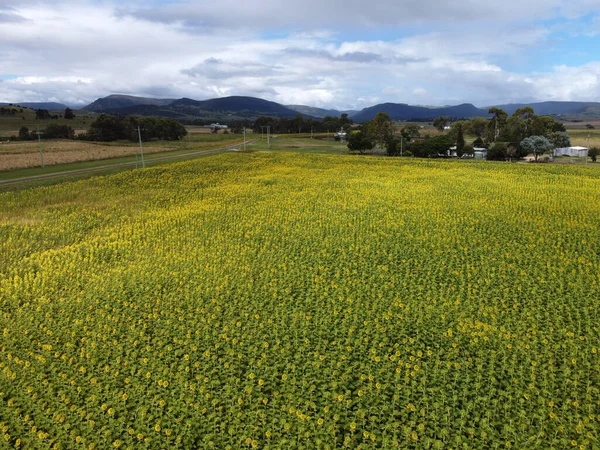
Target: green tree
(56, 131)
(560, 139)
(476, 126)
(41, 114)
(496, 123)
(298, 123)
(24, 134)
(431, 147)
(261, 122)
(68, 114)
(359, 142)
(440, 123)
(543, 125)
(344, 119)
(380, 130)
(108, 128)
(410, 131)
(478, 143)
(497, 152)
(525, 113)
(460, 140)
(538, 145)
(394, 147)
(515, 129)
(593, 153)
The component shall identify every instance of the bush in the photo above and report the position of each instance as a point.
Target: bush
(24, 134)
(497, 152)
(56, 131)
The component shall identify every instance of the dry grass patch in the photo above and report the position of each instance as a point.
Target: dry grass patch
(22, 155)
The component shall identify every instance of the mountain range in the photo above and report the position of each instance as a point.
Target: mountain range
(50, 106)
(249, 108)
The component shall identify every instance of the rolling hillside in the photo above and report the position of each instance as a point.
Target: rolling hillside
(187, 109)
(401, 111)
(242, 107)
(117, 101)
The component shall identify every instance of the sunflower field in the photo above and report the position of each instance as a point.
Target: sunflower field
(288, 301)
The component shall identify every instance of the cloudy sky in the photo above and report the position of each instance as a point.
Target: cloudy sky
(341, 54)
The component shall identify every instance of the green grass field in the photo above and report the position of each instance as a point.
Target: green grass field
(291, 301)
(10, 125)
(301, 143)
(579, 137)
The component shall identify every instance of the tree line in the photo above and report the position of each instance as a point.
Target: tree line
(504, 136)
(300, 124)
(107, 128)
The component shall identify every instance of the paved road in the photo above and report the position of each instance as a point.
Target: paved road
(112, 166)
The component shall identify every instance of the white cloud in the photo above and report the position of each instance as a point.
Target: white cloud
(456, 52)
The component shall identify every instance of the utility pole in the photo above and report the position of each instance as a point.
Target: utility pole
(269, 136)
(587, 151)
(244, 138)
(189, 144)
(141, 147)
(401, 145)
(39, 134)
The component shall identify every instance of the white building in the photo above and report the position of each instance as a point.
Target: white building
(580, 152)
(478, 153)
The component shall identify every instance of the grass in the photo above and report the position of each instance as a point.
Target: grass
(579, 137)
(23, 155)
(301, 143)
(10, 125)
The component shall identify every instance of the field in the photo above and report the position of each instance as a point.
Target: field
(286, 300)
(579, 137)
(21, 155)
(10, 125)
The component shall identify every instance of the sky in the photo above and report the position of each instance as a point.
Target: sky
(346, 54)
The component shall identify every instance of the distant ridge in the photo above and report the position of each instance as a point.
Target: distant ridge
(240, 104)
(554, 108)
(315, 112)
(38, 105)
(249, 108)
(402, 111)
(187, 109)
(117, 101)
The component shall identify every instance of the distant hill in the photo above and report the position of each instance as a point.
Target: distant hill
(38, 105)
(117, 101)
(315, 112)
(238, 104)
(319, 113)
(249, 108)
(401, 111)
(226, 108)
(555, 108)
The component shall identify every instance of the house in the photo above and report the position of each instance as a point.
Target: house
(580, 152)
(478, 153)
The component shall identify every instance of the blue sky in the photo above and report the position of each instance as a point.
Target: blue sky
(327, 54)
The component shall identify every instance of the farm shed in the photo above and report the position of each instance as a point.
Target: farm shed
(571, 151)
(478, 153)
